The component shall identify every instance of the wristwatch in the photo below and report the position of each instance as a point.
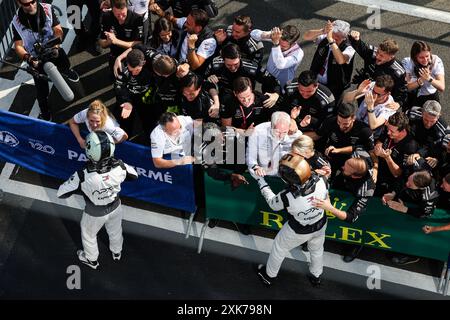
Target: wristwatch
(331, 43)
(191, 49)
(430, 80)
(371, 111)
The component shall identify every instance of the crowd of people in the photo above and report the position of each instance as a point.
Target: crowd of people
(376, 131)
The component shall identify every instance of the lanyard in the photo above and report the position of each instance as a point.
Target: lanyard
(391, 144)
(244, 117)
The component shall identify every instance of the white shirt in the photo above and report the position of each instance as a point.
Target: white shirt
(111, 126)
(381, 109)
(205, 50)
(437, 69)
(265, 151)
(349, 52)
(281, 64)
(163, 144)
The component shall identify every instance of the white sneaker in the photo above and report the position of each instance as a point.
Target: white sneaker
(82, 257)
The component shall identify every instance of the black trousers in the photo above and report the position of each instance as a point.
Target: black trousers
(146, 115)
(418, 101)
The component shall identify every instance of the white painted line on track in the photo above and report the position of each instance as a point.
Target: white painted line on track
(222, 235)
(403, 8)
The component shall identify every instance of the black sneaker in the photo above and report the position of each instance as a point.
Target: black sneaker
(72, 75)
(403, 260)
(213, 223)
(315, 281)
(265, 279)
(242, 228)
(45, 116)
(116, 256)
(305, 247)
(82, 257)
(352, 253)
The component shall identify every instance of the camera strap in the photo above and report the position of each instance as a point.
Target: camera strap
(40, 31)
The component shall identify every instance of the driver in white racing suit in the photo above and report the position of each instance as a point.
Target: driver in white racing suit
(305, 222)
(100, 183)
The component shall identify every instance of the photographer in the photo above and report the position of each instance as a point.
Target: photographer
(35, 27)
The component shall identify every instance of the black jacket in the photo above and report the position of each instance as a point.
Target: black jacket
(206, 33)
(421, 202)
(371, 70)
(247, 69)
(338, 75)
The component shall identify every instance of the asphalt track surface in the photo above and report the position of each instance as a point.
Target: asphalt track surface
(37, 257)
(39, 241)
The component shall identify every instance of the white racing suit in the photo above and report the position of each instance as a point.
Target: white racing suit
(305, 223)
(100, 189)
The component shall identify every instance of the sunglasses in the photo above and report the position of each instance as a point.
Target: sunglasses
(379, 94)
(28, 3)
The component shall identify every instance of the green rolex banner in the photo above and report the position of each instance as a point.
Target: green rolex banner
(378, 227)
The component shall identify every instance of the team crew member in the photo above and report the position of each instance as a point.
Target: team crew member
(333, 59)
(181, 8)
(344, 135)
(305, 222)
(197, 43)
(172, 138)
(304, 146)
(220, 162)
(130, 87)
(420, 191)
(100, 183)
(196, 102)
(443, 202)
(356, 176)
(96, 117)
(444, 166)
(34, 25)
(429, 129)
(393, 148)
(246, 108)
(286, 54)
(379, 61)
(374, 110)
(141, 8)
(240, 33)
(165, 37)
(308, 102)
(163, 93)
(227, 68)
(120, 30)
(425, 74)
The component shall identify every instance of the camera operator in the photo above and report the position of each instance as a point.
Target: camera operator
(35, 27)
